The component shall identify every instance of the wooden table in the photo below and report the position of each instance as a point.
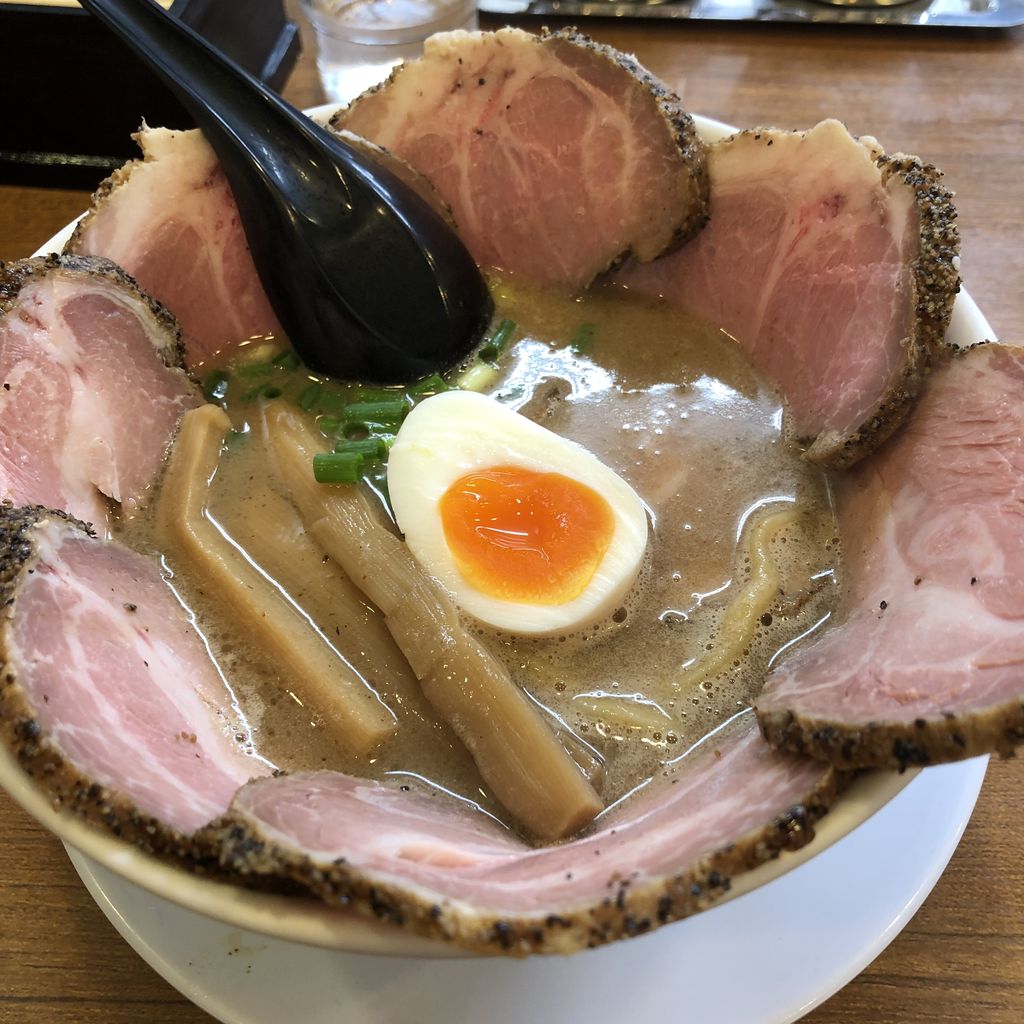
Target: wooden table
(952, 97)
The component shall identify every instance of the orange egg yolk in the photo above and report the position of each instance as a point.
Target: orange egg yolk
(525, 536)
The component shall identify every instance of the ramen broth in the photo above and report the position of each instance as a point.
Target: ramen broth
(672, 406)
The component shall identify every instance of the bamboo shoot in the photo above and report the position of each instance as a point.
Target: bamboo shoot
(307, 659)
(517, 753)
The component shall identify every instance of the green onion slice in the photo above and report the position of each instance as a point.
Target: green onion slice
(373, 449)
(498, 340)
(365, 394)
(500, 337)
(583, 340)
(435, 384)
(337, 467)
(328, 425)
(254, 369)
(308, 396)
(375, 412)
(333, 402)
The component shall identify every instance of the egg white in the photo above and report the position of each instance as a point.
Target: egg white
(457, 432)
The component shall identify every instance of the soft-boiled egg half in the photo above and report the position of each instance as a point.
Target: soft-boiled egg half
(527, 530)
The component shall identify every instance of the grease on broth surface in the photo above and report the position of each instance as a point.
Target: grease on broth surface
(672, 406)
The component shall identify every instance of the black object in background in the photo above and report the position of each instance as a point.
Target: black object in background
(73, 95)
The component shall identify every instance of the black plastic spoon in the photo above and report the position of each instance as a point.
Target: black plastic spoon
(367, 280)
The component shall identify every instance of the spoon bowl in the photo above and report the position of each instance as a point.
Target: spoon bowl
(368, 281)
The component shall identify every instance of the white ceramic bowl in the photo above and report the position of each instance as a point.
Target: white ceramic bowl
(307, 921)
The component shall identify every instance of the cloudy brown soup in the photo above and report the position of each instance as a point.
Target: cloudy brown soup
(671, 405)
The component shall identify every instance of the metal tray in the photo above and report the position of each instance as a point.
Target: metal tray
(986, 14)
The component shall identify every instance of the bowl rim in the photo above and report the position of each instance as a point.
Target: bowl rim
(310, 922)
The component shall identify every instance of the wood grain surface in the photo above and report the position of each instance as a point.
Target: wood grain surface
(951, 97)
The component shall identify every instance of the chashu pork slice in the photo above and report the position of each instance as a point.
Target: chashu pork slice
(834, 268)
(558, 156)
(432, 864)
(927, 661)
(108, 696)
(92, 386)
(401, 170)
(170, 220)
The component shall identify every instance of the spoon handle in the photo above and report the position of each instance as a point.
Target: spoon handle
(196, 71)
(328, 229)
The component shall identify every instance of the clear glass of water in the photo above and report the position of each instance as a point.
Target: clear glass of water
(360, 41)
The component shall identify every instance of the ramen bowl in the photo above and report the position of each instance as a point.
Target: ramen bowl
(307, 921)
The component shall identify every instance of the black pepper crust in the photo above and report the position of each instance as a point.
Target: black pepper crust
(684, 132)
(938, 739)
(899, 745)
(630, 907)
(15, 275)
(688, 142)
(936, 281)
(69, 790)
(103, 190)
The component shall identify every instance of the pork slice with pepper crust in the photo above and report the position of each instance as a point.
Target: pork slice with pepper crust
(834, 268)
(927, 661)
(558, 156)
(92, 389)
(432, 864)
(108, 696)
(170, 220)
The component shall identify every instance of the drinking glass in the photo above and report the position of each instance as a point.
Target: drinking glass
(360, 41)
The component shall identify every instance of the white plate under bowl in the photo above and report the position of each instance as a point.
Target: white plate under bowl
(766, 958)
(306, 921)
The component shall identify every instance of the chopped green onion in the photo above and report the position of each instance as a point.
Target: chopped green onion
(328, 425)
(375, 412)
(365, 394)
(333, 402)
(583, 340)
(337, 467)
(500, 337)
(264, 390)
(215, 387)
(254, 369)
(498, 340)
(308, 396)
(432, 385)
(373, 449)
(287, 360)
